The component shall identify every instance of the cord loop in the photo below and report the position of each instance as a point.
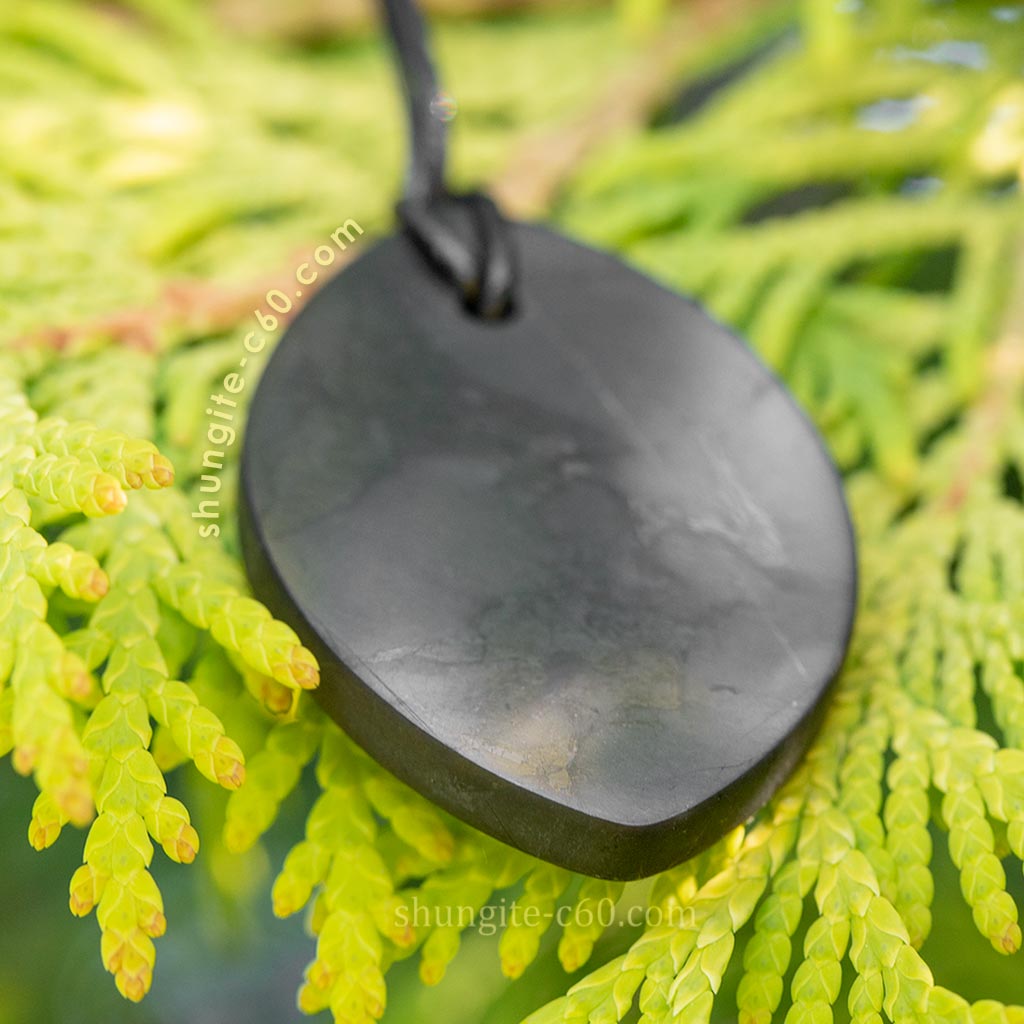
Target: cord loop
(463, 236)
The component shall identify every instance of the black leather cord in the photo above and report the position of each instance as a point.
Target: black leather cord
(464, 236)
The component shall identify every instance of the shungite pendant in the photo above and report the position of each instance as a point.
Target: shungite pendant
(582, 575)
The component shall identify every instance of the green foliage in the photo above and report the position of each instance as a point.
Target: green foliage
(892, 302)
(915, 382)
(85, 676)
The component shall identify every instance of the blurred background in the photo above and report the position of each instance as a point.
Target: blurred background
(165, 159)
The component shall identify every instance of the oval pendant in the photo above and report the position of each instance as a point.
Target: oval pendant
(582, 576)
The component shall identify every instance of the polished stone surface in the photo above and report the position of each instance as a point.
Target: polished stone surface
(582, 576)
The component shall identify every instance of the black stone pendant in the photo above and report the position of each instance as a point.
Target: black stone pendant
(581, 575)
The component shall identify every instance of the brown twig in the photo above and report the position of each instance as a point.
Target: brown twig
(187, 305)
(543, 162)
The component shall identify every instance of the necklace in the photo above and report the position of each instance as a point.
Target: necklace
(574, 564)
